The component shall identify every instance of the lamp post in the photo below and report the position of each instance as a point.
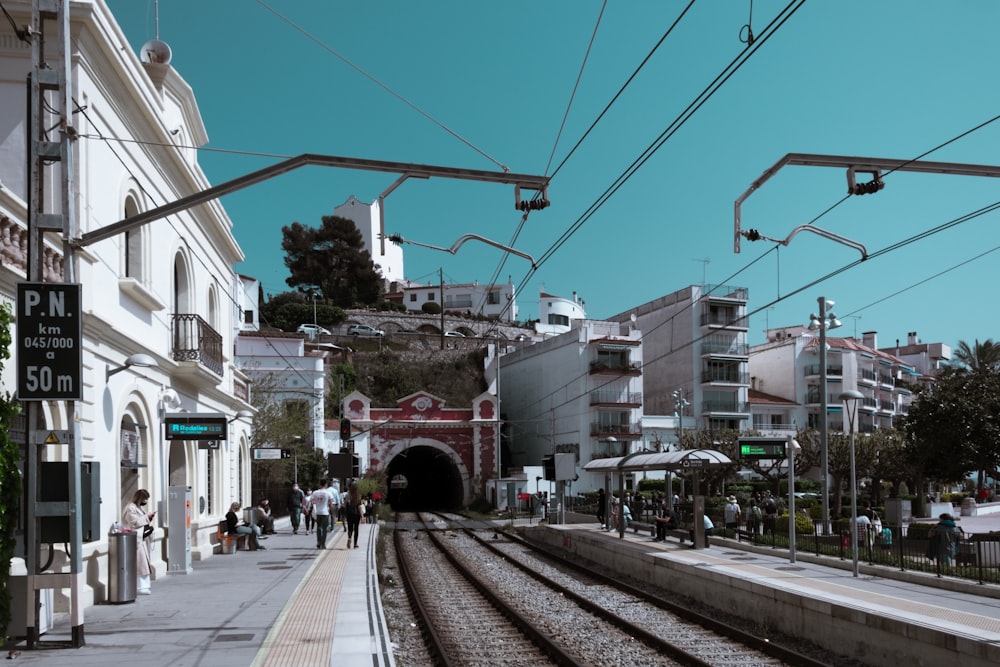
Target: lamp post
(823, 322)
(850, 399)
(679, 404)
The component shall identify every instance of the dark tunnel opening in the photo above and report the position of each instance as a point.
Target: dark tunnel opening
(432, 481)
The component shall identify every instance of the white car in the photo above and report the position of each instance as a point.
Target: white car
(364, 330)
(454, 334)
(312, 330)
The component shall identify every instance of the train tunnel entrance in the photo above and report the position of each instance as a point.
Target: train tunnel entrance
(424, 478)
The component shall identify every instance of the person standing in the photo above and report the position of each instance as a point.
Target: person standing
(770, 514)
(321, 504)
(731, 514)
(352, 513)
(307, 510)
(945, 536)
(754, 519)
(139, 520)
(665, 520)
(295, 498)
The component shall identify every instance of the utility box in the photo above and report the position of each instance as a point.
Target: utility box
(54, 487)
(179, 530)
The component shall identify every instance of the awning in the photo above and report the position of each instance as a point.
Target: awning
(681, 460)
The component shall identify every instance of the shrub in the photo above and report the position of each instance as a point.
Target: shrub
(431, 308)
(803, 525)
(919, 531)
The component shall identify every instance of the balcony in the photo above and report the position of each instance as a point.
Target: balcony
(725, 376)
(867, 377)
(728, 320)
(608, 367)
(729, 348)
(627, 430)
(727, 407)
(831, 371)
(195, 340)
(631, 399)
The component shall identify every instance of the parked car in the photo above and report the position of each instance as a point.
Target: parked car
(364, 330)
(312, 330)
(454, 334)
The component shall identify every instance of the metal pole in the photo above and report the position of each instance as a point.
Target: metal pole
(854, 500)
(823, 441)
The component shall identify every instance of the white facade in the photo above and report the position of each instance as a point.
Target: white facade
(166, 289)
(388, 257)
(694, 340)
(290, 370)
(556, 314)
(580, 392)
(487, 300)
(788, 367)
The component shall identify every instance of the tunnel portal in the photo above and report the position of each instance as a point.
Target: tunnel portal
(432, 481)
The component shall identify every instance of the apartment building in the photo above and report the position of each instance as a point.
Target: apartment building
(580, 392)
(491, 301)
(694, 344)
(787, 366)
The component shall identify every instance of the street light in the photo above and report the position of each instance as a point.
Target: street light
(140, 360)
(850, 399)
(822, 323)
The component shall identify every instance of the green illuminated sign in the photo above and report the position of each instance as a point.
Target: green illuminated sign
(762, 449)
(194, 426)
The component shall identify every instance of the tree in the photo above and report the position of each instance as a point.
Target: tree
(981, 356)
(10, 477)
(332, 258)
(953, 427)
(288, 310)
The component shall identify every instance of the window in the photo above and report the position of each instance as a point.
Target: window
(413, 297)
(562, 320)
(493, 297)
(133, 242)
(247, 317)
(430, 296)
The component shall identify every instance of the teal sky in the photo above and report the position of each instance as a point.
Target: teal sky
(891, 79)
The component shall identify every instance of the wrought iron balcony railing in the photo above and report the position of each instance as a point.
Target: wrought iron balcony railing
(196, 340)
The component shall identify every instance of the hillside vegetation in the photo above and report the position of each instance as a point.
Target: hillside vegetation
(387, 376)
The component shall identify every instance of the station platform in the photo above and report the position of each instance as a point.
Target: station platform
(296, 605)
(291, 604)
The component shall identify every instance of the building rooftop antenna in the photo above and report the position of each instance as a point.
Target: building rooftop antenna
(704, 268)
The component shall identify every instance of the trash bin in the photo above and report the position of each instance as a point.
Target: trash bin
(121, 567)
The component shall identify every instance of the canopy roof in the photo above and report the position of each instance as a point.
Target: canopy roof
(641, 461)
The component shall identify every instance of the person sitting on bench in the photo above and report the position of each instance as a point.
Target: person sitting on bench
(665, 520)
(236, 527)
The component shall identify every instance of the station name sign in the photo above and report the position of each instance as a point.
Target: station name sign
(196, 426)
(763, 448)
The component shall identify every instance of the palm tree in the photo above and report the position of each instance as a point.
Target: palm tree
(981, 356)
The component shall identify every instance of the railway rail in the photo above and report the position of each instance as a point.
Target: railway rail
(583, 617)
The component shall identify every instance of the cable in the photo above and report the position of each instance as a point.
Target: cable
(384, 87)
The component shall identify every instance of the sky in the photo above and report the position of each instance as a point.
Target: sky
(650, 117)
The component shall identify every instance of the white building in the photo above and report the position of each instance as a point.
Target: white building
(491, 301)
(694, 340)
(788, 366)
(388, 257)
(556, 314)
(166, 289)
(580, 392)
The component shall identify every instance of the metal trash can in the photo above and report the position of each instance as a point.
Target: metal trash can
(122, 577)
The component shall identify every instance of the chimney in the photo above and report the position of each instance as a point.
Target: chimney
(911, 338)
(870, 339)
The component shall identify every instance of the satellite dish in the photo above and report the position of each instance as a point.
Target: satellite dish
(156, 52)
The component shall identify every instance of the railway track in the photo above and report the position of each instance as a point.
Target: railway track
(588, 619)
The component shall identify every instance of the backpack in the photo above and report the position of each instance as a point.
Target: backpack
(756, 514)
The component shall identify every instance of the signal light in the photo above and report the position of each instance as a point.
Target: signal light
(345, 429)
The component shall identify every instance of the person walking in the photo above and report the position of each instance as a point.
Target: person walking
(352, 513)
(137, 519)
(321, 504)
(307, 510)
(295, 498)
(602, 507)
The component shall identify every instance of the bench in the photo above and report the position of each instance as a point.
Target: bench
(230, 543)
(679, 533)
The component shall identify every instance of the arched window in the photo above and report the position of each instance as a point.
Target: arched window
(134, 261)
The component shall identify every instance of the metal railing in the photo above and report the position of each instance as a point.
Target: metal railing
(195, 340)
